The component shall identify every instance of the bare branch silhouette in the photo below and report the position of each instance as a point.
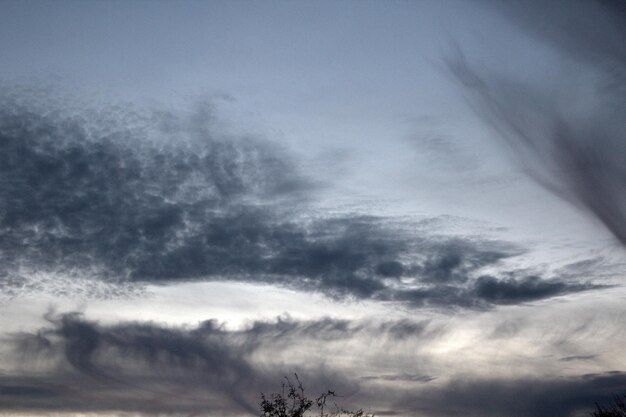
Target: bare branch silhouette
(294, 403)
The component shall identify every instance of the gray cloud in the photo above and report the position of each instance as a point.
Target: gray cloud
(146, 367)
(487, 290)
(511, 291)
(591, 32)
(455, 261)
(577, 154)
(400, 377)
(578, 358)
(80, 193)
(136, 197)
(519, 397)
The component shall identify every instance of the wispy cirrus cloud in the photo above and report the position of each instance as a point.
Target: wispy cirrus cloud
(568, 135)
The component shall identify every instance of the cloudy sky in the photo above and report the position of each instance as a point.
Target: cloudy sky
(420, 205)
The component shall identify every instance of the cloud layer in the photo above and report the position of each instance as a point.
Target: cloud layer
(130, 197)
(79, 365)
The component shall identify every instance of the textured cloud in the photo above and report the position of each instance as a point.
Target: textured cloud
(81, 192)
(79, 365)
(487, 290)
(124, 196)
(569, 135)
(511, 291)
(145, 367)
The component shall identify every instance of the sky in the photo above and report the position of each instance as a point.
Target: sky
(420, 205)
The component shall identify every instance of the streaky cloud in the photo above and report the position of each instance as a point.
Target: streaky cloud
(206, 368)
(579, 155)
(78, 365)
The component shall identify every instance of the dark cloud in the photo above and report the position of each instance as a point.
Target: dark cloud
(515, 397)
(77, 191)
(390, 269)
(512, 291)
(25, 391)
(148, 368)
(136, 197)
(578, 154)
(487, 290)
(454, 261)
(170, 199)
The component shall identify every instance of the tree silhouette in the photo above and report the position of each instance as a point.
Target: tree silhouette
(292, 402)
(617, 408)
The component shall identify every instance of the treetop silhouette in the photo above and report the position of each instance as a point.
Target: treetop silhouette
(292, 402)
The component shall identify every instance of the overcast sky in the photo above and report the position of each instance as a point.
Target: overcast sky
(420, 205)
